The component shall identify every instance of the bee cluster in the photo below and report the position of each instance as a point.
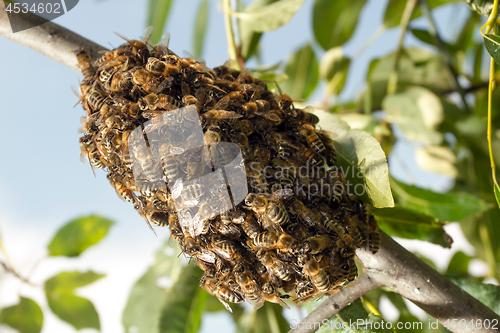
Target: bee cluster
(278, 242)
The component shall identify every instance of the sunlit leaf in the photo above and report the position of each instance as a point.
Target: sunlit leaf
(446, 207)
(492, 44)
(75, 310)
(496, 189)
(270, 17)
(418, 112)
(249, 38)
(333, 68)
(334, 21)
(361, 160)
(487, 294)
(394, 10)
(183, 303)
(145, 300)
(406, 223)
(200, 28)
(269, 318)
(78, 235)
(437, 159)
(352, 319)
(483, 7)
(157, 17)
(26, 317)
(423, 35)
(303, 73)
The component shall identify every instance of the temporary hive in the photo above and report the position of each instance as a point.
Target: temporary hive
(247, 184)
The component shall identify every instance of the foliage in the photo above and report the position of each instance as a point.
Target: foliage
(70, 240)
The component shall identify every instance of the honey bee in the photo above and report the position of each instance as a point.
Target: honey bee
(312, 139)
(270, 211)
(334, 227)
(121, 82)
(226, 249)
(170, 168)
(221, 291)
(138, 48)
(85, 64)
(107, 70)
(143, 79)
(285, 102)
(244, 126)
(338, 190)
(296, 231)
(95, 98)
(250, 226)
(373, 235)
(271, 295)
(316, 244)
(214, 117)
(303, 292)
(353, 270)
(256, 179)
(330, 153)
(144, 159)
(310, 217)
(301, 116)
(242, 141)
(318, 276)
(312, 158)
(123, 192)
(282, 145)
(153, 102)
(269, 240)
(352, 228)
(193, 192)
(231, 231)
(161, 68)
(249, 286)
(157, 218)
(276, 266)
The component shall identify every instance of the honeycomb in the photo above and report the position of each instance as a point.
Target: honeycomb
(247, 184)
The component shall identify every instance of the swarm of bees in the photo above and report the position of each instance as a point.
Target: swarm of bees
(294, 228)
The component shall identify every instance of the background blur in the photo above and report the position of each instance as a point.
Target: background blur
(44, 185)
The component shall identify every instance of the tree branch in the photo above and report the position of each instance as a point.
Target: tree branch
(48, 38)
(393, 266)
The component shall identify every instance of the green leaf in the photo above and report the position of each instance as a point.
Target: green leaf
(346, 321)
(157, 17)
(78, 235)
(361, 160)
(302, 71)
(334, 22)
(77, 311)
(459, 264)
(184, 303)
(446, 207)
(496, 189)
(148, 293)
(418, 112)
(423, 35)
(269, 318)
(487, 294)
(437, 159)
(492, 44)
(415, 67)
(333, 68)
(394, 10)
(406, 223)
(466, 36)
(270, 17)
(26, 317)
(248, 37)
(200, 28)
(483, 7)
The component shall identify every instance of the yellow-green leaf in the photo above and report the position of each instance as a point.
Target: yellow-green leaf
(26, 317)
(303, 72)
(200, 28)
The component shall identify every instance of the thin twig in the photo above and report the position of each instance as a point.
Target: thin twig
(405, 20)
(424, 6)
(400, 270)
(48, 38)
(13, 272)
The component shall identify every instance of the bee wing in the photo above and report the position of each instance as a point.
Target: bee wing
(228, 308)
(270, 225)
(121, 36)
(222, 103)
(328, 134)
(270, 116)
(147, 34)
(283, 193)
(257, 304)
(258, 91)
(207, 256)
(228, 115)
(243, 73)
